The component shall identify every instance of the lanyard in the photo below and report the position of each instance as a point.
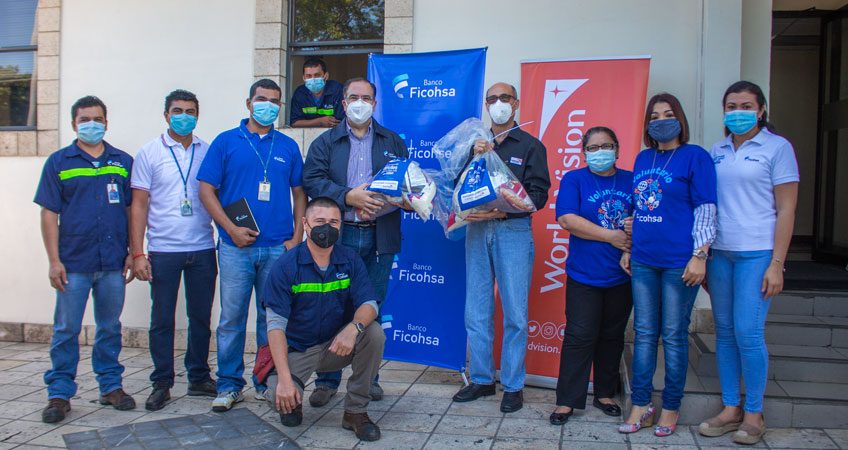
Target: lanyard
(268, 159)
(184, 178)
(612, 191)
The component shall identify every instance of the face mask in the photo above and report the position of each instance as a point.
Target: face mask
(664, 130)
(324, 236)
(315, 85)
(500, 112)
(183, 124)
(91, 132)
(359, 112)
(265, 113)
(600, 160)
(740, 121)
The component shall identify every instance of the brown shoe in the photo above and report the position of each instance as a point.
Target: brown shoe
(119, 399)
(362, 425)
(55, 410)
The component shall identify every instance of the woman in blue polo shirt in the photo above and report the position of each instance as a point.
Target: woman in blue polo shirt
(758, 190)
(674, 201)
(592, 205)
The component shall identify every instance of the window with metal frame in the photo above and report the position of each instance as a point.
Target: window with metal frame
(18, 44)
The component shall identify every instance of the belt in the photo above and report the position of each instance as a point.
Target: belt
(369, 224)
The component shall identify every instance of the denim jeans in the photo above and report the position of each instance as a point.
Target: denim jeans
(242, 270)
(364, 242)
(739, 310)
(662, 305)
(107, 290)
(199, 270)
(499, 250)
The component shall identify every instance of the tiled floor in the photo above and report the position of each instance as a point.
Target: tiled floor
(417, 412)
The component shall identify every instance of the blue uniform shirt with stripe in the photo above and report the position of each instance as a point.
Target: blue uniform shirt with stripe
(317, 304)
(235, 169)
(305, 107)
(93, 233)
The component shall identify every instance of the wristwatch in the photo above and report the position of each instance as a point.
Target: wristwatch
(702, 255)
(359, 327)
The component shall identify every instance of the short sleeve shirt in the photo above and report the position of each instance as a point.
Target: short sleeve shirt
(235, 165)
(747, 213)
(91, 196)
(168, 172)
(606, 202)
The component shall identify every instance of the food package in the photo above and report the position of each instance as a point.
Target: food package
(402, 180)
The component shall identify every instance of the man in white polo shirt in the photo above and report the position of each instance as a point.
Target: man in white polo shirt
(180, 243)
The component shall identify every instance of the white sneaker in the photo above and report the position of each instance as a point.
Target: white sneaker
(225, 401)
(259, 395)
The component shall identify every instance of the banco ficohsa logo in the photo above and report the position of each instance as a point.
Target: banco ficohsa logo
(426, 89)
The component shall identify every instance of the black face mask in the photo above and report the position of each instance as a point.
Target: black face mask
(324, 236)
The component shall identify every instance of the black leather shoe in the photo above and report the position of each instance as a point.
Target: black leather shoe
(55, 410)
(512, 401)
(610, 410)
(206, 388)
(157, 398)
(293, 418)
(560, 418)
(474, 391)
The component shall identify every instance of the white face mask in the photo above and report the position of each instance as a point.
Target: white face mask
(500, 112)
(359, 112)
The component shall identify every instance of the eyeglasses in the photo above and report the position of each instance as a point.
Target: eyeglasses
(365, 98)
(506, 98)
(594, 148)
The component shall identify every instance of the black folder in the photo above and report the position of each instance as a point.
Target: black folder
(241, 215)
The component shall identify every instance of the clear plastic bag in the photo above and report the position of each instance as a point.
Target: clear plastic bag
(401, 181)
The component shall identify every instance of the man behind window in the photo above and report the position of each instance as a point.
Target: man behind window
(321, 308)
(318, 101)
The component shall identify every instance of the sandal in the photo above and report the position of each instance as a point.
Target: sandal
(645, 420)
(610, 409)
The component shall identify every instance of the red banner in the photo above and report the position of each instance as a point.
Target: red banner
(564, 99)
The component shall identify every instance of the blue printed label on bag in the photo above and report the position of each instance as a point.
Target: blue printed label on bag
(389, 180)
(476, 188)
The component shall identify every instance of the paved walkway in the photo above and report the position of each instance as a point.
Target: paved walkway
(417, 412)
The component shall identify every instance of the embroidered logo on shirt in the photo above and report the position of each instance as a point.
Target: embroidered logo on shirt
(516, 161)
(279, 159)
(717, 159)
(748, 158)
(341, 275)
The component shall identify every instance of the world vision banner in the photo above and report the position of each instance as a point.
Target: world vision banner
(422, 96)
(564, 99)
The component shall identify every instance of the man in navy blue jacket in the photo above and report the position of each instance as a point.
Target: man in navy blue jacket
(320, 308)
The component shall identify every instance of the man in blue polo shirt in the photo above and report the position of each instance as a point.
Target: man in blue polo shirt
(84, 194)
(257, 163)
(318, 101)
(321, 308)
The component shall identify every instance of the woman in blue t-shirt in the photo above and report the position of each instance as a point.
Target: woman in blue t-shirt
(592, 204)
(674, 207)
(758, 189)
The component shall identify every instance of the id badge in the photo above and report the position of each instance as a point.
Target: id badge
(112, 193)
(185, 207)
(264, 191)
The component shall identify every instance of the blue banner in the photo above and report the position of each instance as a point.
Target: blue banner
(422, 96)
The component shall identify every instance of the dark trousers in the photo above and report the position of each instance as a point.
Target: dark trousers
(199, 270)
(594, 333)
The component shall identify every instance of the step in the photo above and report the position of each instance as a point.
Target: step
(814, 331)
(811, 303)
(797, 404)
(786, 362)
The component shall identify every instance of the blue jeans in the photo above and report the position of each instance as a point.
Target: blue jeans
(364, 242)
(107, 289)
(499, 250)
(242, 270)
(199, 270)
(662, 305)
(739, 310)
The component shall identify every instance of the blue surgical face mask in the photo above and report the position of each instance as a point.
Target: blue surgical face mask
(91, 132)
(265, 113)
(664, 130)
(600, 160)
(183, 124)
(315, 85)
(740, 121)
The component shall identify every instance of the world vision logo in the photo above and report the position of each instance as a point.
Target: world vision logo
(556, 93)
(400, 83)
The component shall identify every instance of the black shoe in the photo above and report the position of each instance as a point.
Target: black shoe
(206, 388)
(474, 391)
(157, 398)
(293, 418)
(610, 410)
(55, 410)
(512, 401)
(560, 418)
